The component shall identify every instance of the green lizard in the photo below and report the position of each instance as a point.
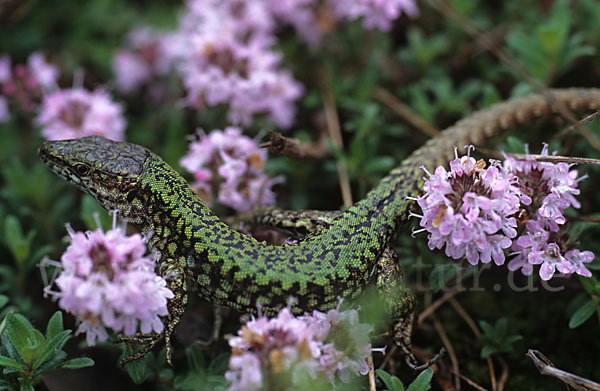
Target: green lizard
(228, 268)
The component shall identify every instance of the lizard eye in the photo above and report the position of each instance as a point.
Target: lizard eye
(82, 169)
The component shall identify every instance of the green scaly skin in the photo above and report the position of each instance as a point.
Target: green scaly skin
(231, 269)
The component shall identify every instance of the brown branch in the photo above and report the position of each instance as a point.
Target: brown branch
(451, 353)
(472, 383)
(335, 133)
(405, 112)
(591, 219)
(545, 367)
(582, 121)
(504, 375)
(540, 158)
(467, 318)
(430, 309)
(371, 373)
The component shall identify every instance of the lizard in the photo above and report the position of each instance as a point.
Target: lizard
(337, 259)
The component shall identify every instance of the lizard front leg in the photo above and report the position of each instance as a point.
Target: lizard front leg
(174, 274)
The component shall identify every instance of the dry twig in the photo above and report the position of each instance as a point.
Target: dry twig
(546, 367)
(405, 112)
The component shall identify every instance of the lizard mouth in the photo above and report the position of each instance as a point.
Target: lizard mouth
(47, 154)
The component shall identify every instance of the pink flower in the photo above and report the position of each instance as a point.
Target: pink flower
(469, 210)
(376, 14)
(45, 73)
(107, 282)
(76, 112)
(466, 209)
(5, 73)
(334, 344)
(229, 61)
(4, 112)
(22, 87)
(231, 165)
(148, 55)
(550, 188)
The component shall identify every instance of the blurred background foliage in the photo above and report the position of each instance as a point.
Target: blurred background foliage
(432, 63)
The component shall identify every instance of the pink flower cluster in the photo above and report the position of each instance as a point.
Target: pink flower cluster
(148, 55)
(552, 189)
(76, 112)
(470, 210)
(476, 213)
(229, 61)
(376, 14)
(232, 163)
(331, 344)
(107, 282)
(223, 51)
(23, 85)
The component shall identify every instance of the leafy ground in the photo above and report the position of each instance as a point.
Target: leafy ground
(443, 64)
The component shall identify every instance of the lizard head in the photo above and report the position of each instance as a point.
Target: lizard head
(108, 170)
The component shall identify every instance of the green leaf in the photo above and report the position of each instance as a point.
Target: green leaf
(18, 332)
(51, 363)
(55, 325)
(26, 387)
(3, 300)
(53, 344)
(138, 370)
(515, 144)
(422, 382)
(392, 383)
(583, 313)
(488, 350)
(15, 240)
(34, 347)
(195, 359)
(220, 364)
(80, 362)
(441, 274)
(9, 362)
(90, 208)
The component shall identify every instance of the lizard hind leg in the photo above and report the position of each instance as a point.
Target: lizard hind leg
(175, 276)
(400, 305)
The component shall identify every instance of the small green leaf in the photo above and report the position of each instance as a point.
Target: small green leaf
(18, 331)
(515, 144)
(220, 364)
(388, 380)
(80, 362)
(90, 208)
(488, 350)
(137, 369)
(3, 300)
(9, 362)
(422, 382)
(195, 359)
(53, 344)
(55, 325)
(36, 344)
(441, 274)
(26, 387)
(583, 313)
(51, 363)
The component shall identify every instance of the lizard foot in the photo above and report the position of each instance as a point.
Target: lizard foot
(150, 341)
(402, 339)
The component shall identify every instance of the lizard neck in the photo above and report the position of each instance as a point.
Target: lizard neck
(169, 206)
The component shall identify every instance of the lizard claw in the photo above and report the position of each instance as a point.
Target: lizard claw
(150, 341)
(414, 365)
